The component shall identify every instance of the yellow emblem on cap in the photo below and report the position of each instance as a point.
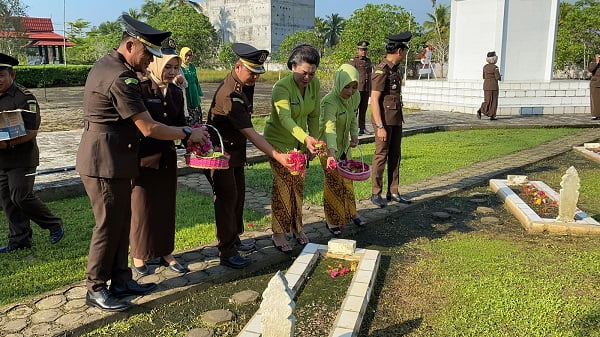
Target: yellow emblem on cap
(263, 57)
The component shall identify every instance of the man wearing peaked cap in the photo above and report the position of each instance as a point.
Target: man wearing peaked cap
(364, 66)
(230, 113)
(114, 114)
(386, 108)
(251, 57)
(19, 157)
(151, 37)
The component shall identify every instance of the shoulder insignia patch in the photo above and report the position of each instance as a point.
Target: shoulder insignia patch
(235, 99)
(32, 105)
(378, 71)
(131, 80)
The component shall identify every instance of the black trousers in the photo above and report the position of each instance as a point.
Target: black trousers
(362, 109)
(109, 246)
(387, 152)
(229, 190)
(21, 206)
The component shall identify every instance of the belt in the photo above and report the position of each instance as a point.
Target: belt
(112, 127)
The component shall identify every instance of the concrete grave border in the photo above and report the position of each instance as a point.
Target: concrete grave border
(588, 153)
(352, 310)
(533, 223)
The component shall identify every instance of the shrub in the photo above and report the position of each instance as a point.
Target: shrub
(52, 75)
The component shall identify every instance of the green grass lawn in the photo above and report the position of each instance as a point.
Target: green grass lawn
(423, 156)
(47, 267)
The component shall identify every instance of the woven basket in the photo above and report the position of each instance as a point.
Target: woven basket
(217, 161)
(364, 175)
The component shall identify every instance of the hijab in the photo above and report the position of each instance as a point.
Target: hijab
(182, 53)
(345, 75)
(156, 68)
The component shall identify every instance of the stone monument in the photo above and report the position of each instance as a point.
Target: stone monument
(523, 35)
(569, 194)
(277, 308)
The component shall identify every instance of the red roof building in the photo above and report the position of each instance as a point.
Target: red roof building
(41, 35)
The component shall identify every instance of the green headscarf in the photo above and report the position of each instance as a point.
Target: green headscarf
(338, 115)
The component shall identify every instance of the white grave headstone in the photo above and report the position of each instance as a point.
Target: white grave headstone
(277, 308)
(569, 194)
(513, 179)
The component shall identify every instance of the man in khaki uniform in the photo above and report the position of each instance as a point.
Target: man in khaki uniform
(230, 113)
(107, 159)
(386, 108)
(594, 69)
(364, 66)
(18, 159)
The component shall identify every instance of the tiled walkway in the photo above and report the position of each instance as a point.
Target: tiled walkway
(63, 312)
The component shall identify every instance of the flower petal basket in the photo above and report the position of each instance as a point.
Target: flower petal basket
(215, 161)
(353, 169)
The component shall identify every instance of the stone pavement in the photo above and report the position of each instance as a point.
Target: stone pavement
(63, 312)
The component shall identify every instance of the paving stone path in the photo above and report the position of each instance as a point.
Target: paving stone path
(63, 312)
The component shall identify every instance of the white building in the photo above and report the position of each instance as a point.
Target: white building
(260, 23)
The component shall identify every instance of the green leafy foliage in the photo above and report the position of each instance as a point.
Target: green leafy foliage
(226, 57)
(578, 33)
(52, 75)
(189, 29)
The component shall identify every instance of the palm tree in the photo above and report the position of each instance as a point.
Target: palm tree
(439, 25)
(134, 13)
(171, 4)
(224, 25)
(334, 26)
(321, 31)
(150, 8)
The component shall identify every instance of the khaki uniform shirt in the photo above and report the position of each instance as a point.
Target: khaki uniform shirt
(365, 68)
(594, 68)
(26, 154)
(386, 79)
(491, 76)
(110, 141)
(230, 112)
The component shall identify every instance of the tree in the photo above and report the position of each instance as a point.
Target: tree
(321, 31)
(134, 13)
(76, 29)
(578, 37)
(189, 29)
(10, 10)
(334, 26)
(439, 28)
(372, 23)
(226, 57)
(292, 40)
(150, 8)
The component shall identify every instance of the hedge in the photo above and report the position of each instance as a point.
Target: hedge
(52, 75)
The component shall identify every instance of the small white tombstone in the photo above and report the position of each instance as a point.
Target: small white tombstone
(569, 194)
(591, 145)
(341, 246)
(513, 179)
(277, 308)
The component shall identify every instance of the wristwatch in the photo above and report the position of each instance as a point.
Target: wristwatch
(188, 132)
(379, 126)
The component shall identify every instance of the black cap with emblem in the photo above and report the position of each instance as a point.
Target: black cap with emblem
(398, 41)
(168, 47)
(363, 44)
(251, 57)
(149, 36)
(7, 61)
(491, 54)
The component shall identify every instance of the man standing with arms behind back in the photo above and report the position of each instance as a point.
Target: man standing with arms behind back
(107, 159)
(364, 66)
(18, 160)
(386, 108)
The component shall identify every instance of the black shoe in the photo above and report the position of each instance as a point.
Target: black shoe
(377, 200)
(493, 118)
(245, 246)
(56, 234)
(236, 261)
(361, 132)
(104, 300)
(397, 198)
(131, 288)
(177, 267)
(479, 113)
(11, 248)
(143, 270)
(595, 118)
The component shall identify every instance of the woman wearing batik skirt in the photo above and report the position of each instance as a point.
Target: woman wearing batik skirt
(339, 128)
(294, 111)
